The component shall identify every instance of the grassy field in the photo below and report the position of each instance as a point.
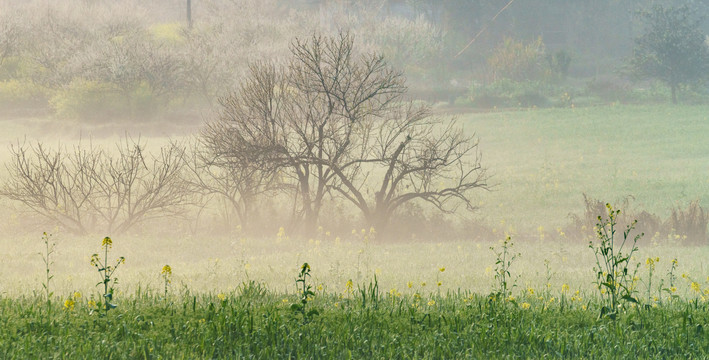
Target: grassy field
(230, 296)
(255, 323)
(544, 160)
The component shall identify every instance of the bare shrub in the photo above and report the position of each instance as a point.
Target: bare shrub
(86, 189)
(690, 224)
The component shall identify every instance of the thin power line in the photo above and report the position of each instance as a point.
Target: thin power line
(484, 28)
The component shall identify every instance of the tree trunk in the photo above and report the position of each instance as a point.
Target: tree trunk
(379, 220)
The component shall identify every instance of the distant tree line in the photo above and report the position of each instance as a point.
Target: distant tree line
(139, 60)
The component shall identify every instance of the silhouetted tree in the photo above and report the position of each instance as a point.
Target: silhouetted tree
(299, 119)
(405, 156)
(332, 121)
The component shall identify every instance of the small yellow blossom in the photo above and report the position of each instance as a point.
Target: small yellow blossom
(69, 304)
(221, 296)
(442, 269)
(166, 270)
(695, 287)
(525, 305)
(431, 302)
(410, 284)
(530, 291)
(564, 288)
(107, 242)
(76, 295)
(439, 283)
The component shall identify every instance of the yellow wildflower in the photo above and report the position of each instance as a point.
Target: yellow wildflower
(525, 305)
(695, 287)
(94, 260)
(431, 302)
(69, 304)
(107, 242)
(166, 270)
(221, 296)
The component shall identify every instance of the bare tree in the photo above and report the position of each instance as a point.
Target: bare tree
(300, 119)
(409, 155)
(235, 178)
(88, 189)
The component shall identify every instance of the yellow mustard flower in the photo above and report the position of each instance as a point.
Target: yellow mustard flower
(166, 270)
(695, 287)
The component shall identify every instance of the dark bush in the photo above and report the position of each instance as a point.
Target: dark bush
(689, 226)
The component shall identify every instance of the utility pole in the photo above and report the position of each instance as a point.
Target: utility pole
(189, 13)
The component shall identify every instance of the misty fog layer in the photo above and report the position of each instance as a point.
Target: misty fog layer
(235, 140)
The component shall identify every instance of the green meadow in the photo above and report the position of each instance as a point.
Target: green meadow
(237, 296)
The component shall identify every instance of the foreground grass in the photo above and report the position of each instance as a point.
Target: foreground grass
(253, 322)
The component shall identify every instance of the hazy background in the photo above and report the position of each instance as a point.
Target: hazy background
(545, 86)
